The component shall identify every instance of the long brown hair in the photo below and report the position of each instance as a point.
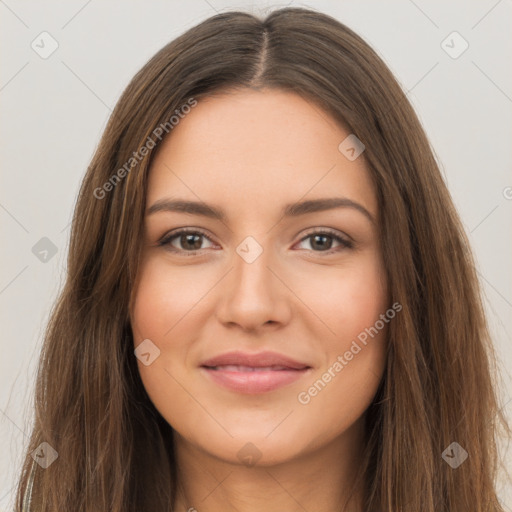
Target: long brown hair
(115, 451)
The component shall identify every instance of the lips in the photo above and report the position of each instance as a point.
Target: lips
(253, 373)
(241, 368)
(261, 360)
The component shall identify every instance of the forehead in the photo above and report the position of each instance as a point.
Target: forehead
(257, 150)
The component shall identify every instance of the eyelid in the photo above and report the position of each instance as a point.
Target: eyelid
(329, 231)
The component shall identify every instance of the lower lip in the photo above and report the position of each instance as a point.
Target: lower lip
(253, 382)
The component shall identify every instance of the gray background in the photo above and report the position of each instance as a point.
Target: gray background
(54, 110)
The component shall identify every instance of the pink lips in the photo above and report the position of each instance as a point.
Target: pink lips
(253, 373)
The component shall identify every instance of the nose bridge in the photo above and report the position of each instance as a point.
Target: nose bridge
(253, 296)
(251, 275)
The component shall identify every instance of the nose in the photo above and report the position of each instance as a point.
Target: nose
(253, 295)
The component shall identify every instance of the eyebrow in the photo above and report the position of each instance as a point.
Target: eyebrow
(289, 210)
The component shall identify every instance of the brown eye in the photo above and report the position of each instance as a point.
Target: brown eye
(184, 241)
(322, 241)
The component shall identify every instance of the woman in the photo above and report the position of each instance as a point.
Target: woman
(271, 302)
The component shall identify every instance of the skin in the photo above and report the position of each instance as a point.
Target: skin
(251, 152)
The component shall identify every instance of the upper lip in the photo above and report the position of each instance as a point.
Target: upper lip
(257, 360)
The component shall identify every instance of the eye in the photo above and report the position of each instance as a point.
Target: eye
(322, 241)
(190, 241)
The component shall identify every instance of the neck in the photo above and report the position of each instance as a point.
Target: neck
(322, 480)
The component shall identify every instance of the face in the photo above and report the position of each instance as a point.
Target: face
(292, 289)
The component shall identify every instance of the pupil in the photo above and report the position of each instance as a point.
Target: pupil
(321, 245)
(189, 237)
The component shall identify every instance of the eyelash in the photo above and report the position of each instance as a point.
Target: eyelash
(166, 241)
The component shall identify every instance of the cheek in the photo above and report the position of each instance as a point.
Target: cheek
(353, 346)
(163, 311)
(165, 297)
(168, 311)
(346, 299)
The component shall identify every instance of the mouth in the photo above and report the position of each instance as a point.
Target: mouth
(251, 380)
(241, 368)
